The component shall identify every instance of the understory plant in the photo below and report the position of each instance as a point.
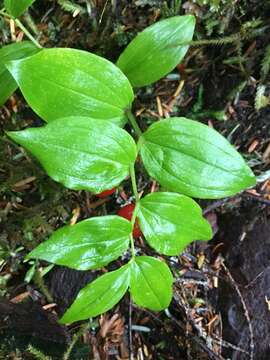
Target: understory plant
(86, 101)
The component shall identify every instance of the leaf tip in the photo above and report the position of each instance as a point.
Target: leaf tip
(252, 179)
(27, 257)
(11, 134)
(63, 320)
(192, 18)
(31, 255)
(249, 178)
(14, 135)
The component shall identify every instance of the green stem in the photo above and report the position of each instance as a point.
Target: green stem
(134, 184)
(22, 27)
(133, 219)
(132, 247)
(75, 338)
(133, 123)
(38, 280)
(137, 199)
(27, 33)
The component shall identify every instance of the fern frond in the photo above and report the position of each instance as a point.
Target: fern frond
(37, 353)
(265, 66)
(71, 7)
(216, 42)
(261, 100)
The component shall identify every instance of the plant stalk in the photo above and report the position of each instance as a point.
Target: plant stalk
(132, 247)
(38, 280)
(27, 33)
(134, 184)
(75, 338)
(137, 199)
(133, 219)
(133, 123)
(22, 27)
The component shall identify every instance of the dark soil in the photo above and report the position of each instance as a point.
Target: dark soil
(247, 255)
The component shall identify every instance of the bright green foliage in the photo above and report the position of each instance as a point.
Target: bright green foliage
(151, 283)
(12, 52)
(170, 221)
(153, 53)
(90, 244)
(83, 98)
(99, 296)
(65, 82)
(193, 159)
(17, 7)
(87, 155)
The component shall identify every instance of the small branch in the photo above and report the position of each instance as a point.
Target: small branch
(132, 246)
(3, 13)
(215, 205)
(193, 337)
(134, 215)
(133, 123)
(134, 184)
(130, 342)
(27, 33)
(22, 27)
(133, 219)
(246, 313)
(75, 338)
(38, 280)
(257, 197)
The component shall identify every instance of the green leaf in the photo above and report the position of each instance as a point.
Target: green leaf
(81, 153)
(12, 52)
(170, 222)
(59, 83)
(17, 7)
(191, 158)
(90, 244)
(99, 296)
(155, 51)
(151, 283)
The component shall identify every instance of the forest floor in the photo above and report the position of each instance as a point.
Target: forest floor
(221, 303)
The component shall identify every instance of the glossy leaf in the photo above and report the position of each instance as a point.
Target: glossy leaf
(191, 158)
(170, 222)
(58, 83)
(87, 155)
(90, 244)
(99, 296)
(154, 52)
(12, 52)
(151, 283)
(17, 7)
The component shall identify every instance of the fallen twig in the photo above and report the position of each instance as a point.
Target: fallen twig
(246, 313)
